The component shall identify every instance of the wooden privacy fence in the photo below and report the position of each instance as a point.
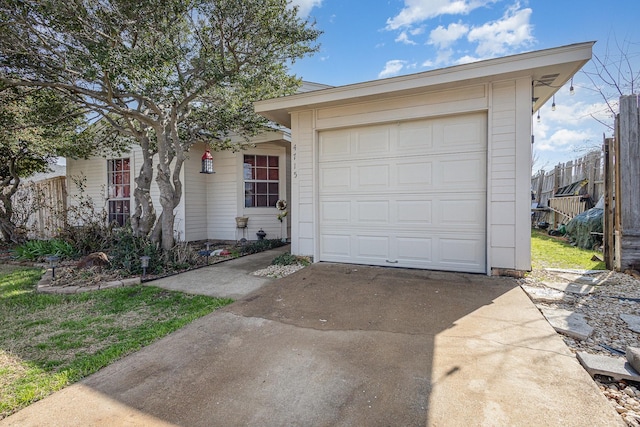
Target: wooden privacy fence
(622, 196)
(41, 206)
(568, 189)
(614, 174)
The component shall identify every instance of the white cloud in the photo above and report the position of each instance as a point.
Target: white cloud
(466, 59)
(416, 11)
(404, 38)
(563, 140)
(577, 113)
(444, 37)
(502, 36)
(305, 6)
(392, 68)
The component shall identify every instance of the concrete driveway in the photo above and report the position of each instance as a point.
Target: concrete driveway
(348, 346)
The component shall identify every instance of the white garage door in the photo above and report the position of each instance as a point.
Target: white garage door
(410, 194)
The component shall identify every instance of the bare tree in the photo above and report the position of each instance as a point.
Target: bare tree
(613, 74)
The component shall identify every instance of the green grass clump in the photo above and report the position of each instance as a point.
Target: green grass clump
(34, 250)
(49, 341)
(553, 252)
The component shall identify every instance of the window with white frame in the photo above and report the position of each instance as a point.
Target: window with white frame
(261, 180)
(119, 190)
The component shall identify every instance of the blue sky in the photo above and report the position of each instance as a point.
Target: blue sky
(370, 39)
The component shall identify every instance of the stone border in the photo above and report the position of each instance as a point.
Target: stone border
(44, 285)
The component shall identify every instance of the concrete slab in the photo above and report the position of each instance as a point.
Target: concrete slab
(633, 357)
(567, 322)
(576, 278)
(570, 287)
(633, 322)
(228, 279)
(540, 294)
(574, 271)
(347, 346)
(614, 367)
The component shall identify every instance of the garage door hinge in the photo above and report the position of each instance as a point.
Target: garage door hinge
(392, 262)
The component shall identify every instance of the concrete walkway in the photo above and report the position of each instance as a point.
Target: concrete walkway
(348, 346)
(228, 279)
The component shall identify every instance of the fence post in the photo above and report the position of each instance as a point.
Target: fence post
(628, 160)
(608, 224)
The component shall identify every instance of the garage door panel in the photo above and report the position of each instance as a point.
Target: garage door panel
(414, 173)
(462, 135)
(335, 212)
(462, 173)
(411, 249)
(372, 176)
(462, 253)
(335, 145)
(414, 212)
(414, 136)
(335, 247)
(371, 247)
(372, 212)
(335, 179)
(416, 198)
(456, 213)
(371, 141)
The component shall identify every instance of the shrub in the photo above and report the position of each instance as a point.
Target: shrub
(287, 259)
(182, 256)
(126, 249)
(260, 246)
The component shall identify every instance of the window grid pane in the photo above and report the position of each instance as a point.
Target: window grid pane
(261, 174)
(119, 190)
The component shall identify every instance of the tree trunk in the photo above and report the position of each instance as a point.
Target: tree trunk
(144, 214)
(170, 160)
(7, 226)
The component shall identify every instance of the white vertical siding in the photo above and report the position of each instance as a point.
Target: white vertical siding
(195, 195)
(510, 155)
(523, 174)
(502, 153)
(302, 206)
(222, 196)
(94, 173)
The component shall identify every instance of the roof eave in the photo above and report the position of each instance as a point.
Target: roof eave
(535, 64)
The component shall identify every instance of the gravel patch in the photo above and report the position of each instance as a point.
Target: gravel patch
(277, 271)
(615, 295)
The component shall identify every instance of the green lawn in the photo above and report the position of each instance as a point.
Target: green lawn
(554, 252)
(50, 341)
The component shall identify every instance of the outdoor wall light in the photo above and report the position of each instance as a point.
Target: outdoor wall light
(53, 263)
(144, 263)
(207, 162)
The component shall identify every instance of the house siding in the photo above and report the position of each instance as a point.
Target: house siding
(94, 170)
(508, 157)
(302, 184)
(222, 197)
(195, 196)
(93, 173)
